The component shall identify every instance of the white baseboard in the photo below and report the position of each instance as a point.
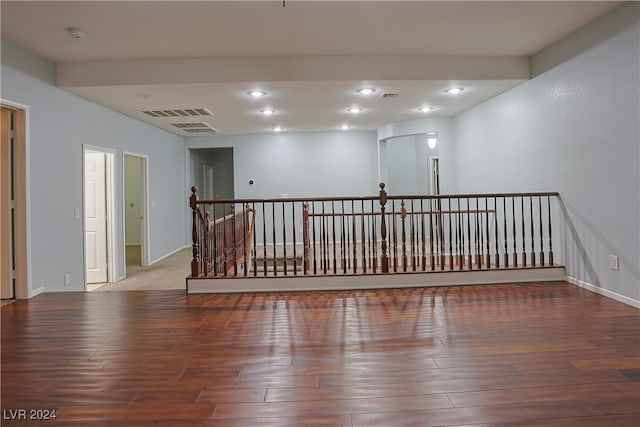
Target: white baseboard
(604, 292)
(35, 292)
(168, 255)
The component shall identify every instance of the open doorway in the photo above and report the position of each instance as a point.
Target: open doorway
(135, 211)
(434, 167)
(99, 216)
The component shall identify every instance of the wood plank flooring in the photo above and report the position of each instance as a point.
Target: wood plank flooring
(543, 354)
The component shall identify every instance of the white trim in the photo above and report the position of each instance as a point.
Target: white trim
(25, 291)
(145, 237)
(169, 254)
(378, 281)
(36, 292)
(604, 292)
(110, 166)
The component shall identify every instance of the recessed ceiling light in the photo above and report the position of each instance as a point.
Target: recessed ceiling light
(355, 110)
(425, 109)
(277, 128)
(366, 91)
(454, 90)
(256, 93)
(268, 111)
(345, 126)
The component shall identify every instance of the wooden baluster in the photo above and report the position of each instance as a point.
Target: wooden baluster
(423, 247)
(495, 229)
(313, 226)
(255, 241)
(533, 250)
(513, 219)
(460, 235)
(213, 255)
(487, 234)
(463, 252)
(541, 231)
(323, 229)
(374, 240)
(273, 232)
(457, 232)
(293, 233)
(195, 260)
(524, 251)
(284, 239)
(478, 239)
(550, 236)
(234, 242)
(414, 235)
(206, 255)
(504, 221)
(333, 235)
(343, 240)
(245, 236)
(440, 234)
(363, 239)
(305, 237)
(383, 230)
(354, 236)
(403, 216)
(431, 235)
(450, 233)
(469, 241)
(395, 236)
(264, 240)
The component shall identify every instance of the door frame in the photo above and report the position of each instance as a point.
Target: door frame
(144, 238)
(110, 173)
(434, 172)
(22, 205)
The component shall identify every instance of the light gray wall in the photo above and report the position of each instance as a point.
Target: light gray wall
(573, 129)
(59, 124)
(300, 164)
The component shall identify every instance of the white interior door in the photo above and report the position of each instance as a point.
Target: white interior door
(95, 218)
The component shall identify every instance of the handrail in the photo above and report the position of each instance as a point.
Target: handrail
(374, 234)
(366, 198)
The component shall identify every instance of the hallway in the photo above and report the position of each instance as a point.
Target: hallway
(169, 273)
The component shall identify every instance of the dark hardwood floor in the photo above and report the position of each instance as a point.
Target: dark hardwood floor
(545, 354)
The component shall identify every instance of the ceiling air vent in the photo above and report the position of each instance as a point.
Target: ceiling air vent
(389, 95)
(199, 127)
(182, 113)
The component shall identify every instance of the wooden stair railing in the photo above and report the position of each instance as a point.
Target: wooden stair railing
(372, 234)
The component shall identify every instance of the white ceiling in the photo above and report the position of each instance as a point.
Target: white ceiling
(309, 56)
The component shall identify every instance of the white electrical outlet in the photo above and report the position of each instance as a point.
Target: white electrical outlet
(77, 213)
(67, 279)
(613, 262)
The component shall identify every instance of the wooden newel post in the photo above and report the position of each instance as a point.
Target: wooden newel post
(195, 261)
(383, 229)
